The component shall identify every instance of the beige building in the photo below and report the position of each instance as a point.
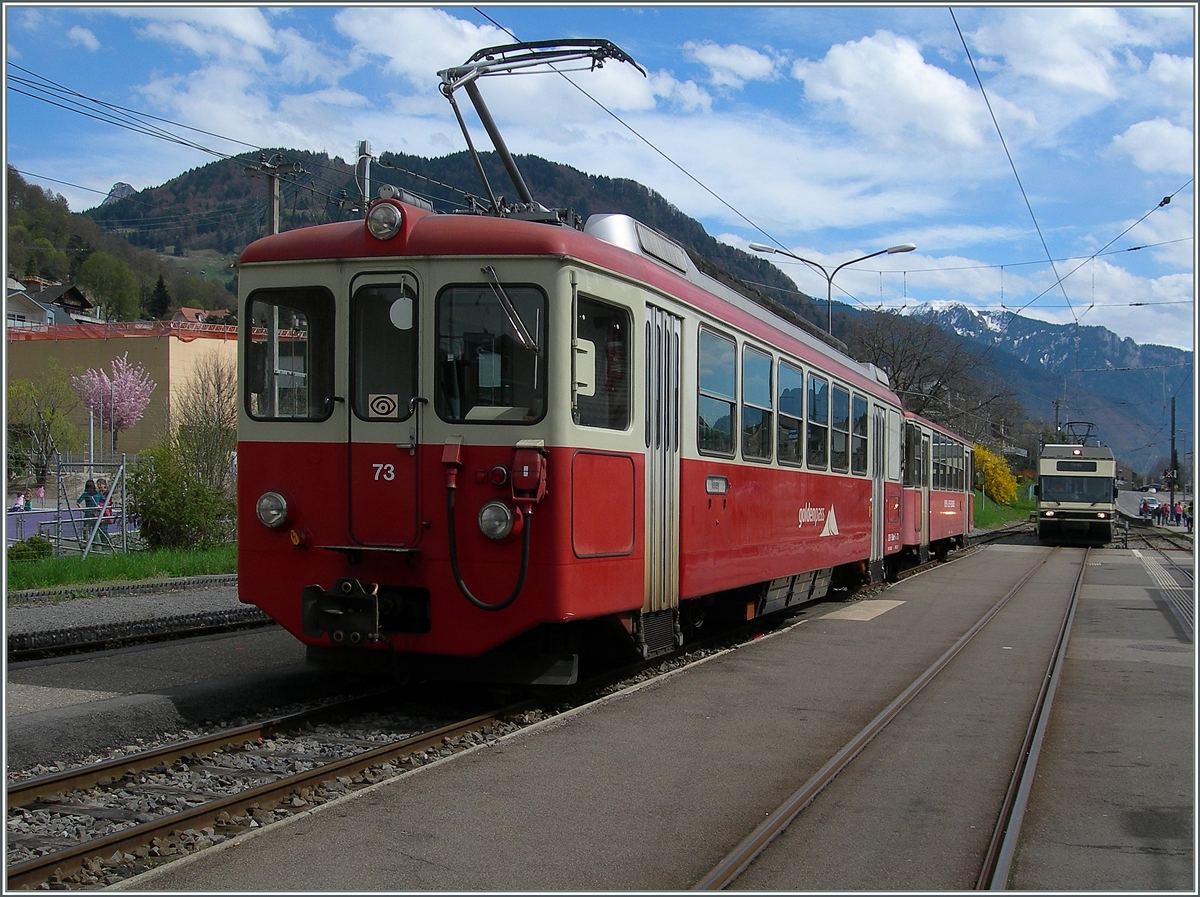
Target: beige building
(167, 350)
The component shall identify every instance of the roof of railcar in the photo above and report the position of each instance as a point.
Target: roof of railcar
(1092, 452)
(426, 234)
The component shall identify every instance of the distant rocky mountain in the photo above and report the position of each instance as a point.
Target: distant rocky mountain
(1093, 374)
(119, 191)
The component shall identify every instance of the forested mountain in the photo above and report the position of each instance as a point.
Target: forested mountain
(222, 206)
(46, 239)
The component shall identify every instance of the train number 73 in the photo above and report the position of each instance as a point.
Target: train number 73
(384, 472)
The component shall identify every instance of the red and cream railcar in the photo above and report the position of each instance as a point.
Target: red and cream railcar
(469, 443)
(939, 477)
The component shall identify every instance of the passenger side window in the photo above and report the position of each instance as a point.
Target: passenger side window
(858, 435)
(939, 463)
(602, 397)
(756, 405)
(715, 404)
(839, 436)
(791, 413)
(818, 422)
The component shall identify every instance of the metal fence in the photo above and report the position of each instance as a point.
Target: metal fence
(75, 524)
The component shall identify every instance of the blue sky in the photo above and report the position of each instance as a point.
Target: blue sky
(832, 131)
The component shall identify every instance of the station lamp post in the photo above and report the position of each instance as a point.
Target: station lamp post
(891, 250)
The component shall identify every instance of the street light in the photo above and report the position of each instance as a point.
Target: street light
(891, 250)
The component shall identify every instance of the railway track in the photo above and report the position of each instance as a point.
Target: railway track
(102, 823)
(1175, 581)
(993, 874)
(169, 801)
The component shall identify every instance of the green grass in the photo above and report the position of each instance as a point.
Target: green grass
(49, 573)
(989, 515)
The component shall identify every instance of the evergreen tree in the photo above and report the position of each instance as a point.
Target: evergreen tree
(160, 300)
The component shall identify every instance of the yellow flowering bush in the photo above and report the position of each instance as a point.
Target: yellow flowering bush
(999, 484)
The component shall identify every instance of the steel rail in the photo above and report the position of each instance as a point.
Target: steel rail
(22, 794)
(997, 862)
(753, 844)
(66, 862)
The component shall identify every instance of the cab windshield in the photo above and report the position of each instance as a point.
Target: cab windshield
(1080, 489)
(491, 363)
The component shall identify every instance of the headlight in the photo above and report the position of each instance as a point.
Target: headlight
(272, 510)
(384, 220)
(1049, 513)
(496, 520)
(1101, 515)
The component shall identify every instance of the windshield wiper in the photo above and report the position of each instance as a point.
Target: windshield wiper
(510, 310)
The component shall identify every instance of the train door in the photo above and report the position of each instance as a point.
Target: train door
(925, 462)
(662, 478)
(385, 406)
(878, 504)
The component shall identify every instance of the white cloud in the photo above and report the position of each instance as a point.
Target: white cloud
(1174, 82)
(83, 38)
(392, 33)
(889, 92)
(734, 65)
(1157, 146)
(1070, 49)
(685, 96)
(215, 31)
(1156, 310)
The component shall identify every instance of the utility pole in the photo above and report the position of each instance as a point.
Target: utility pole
(1174, 458)
(273, 171)
(1057, 402)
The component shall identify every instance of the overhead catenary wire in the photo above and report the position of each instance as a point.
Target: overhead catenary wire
(1012, 163)
(648, 142)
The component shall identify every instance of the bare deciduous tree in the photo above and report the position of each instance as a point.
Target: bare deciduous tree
(937, 375)
(204, 418)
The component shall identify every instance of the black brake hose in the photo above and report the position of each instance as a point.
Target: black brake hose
(462, 586)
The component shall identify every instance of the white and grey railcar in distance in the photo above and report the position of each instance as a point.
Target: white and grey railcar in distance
(1076, 493)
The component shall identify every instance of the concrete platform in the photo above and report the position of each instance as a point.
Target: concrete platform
(651, 788)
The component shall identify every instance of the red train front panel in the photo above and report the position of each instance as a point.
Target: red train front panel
(587, 538)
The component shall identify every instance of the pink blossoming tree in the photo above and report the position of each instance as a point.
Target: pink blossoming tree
(116, 401)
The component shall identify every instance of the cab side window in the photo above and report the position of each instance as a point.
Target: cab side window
(603, 395)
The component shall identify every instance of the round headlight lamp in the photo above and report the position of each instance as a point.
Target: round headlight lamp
(496, 520)
(384, 220)
(271, 510)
